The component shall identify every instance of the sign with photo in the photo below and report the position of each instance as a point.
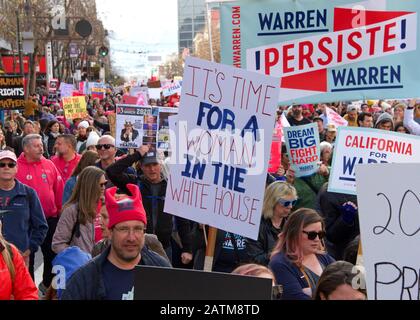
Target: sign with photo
(163, 138)
(136, 126)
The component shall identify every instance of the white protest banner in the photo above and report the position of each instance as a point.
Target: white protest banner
(355, 146)
(335, 119)
(302, 144)
(136, 126)
(389, 205)
(172, 88)
(225, 125)
(66, 90)
(163, 138)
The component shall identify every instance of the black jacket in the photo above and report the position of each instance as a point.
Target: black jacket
(259, 251)
(87, 283)
(162, 225)
(339, 233)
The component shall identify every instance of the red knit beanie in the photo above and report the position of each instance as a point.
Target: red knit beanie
(127, 209)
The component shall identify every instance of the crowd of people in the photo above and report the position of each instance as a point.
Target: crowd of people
(98, 211)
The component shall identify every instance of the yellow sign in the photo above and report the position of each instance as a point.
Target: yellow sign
(74, 107)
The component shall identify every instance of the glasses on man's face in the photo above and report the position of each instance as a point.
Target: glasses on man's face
(126, 230)
(9, 164)
(313, 234)
(287, 203)
(105, 146)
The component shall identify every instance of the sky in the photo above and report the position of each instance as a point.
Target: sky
(139, 25)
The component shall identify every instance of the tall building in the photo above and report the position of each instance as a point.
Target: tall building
(191, 20)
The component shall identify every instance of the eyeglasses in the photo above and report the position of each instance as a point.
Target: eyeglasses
(313, 234)
(103, 184)
(10, 164)
(106, 146)
(287, 203)
(126, 230)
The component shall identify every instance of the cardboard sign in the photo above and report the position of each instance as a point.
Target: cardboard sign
(183, 284)
(389, 205)
(136, 126)
(354, 146)
(12, 92)
(326, 50)
(163, 138)
(74, 107)
(302, 144)
(225, 122)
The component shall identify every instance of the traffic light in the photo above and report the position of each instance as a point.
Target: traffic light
(103, 51)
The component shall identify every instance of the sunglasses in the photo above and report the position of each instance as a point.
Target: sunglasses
(287, 203)
(313, 234)
(105, 146)
(103, 185)
(10, 164)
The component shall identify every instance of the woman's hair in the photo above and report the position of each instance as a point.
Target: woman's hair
(335, 275)
(275, 191)
(7, 256)
(88, 158)
(253, 269)
(399, 125)
(86, 193)
(49, 125)
(289, 238)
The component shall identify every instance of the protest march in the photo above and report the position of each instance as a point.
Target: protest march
(271, 153)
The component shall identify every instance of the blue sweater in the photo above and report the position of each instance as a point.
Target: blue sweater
(23, 219)
(291, 277)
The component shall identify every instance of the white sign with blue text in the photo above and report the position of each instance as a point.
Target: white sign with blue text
(356, 146)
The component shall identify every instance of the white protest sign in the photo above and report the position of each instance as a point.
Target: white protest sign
(172, 88)
(355, 146)
(66, 90)
(335, 119)
(225, 123)
(389, 215)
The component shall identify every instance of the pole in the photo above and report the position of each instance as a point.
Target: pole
(208, 15)
(208, 260)
(19, 43)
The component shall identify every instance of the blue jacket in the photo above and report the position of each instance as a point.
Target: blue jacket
(87, 283)
(24, 222)
(291, 277)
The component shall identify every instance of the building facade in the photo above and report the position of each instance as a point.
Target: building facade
(191, 21)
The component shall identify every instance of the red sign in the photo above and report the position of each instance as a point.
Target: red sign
(10, 61)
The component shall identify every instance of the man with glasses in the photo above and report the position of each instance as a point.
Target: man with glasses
(153, 190)
(107, 151)
(67, 158)
(110, 276)
(21, 213)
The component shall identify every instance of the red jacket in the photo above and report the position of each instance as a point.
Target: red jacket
(44, 177)
(66, 168)
(23, 287)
